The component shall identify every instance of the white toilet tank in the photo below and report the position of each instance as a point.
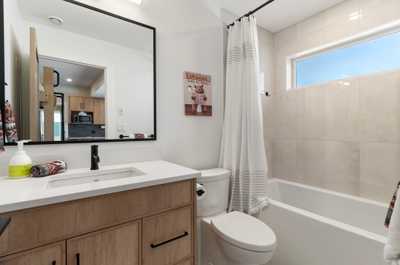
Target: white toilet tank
(216, 184)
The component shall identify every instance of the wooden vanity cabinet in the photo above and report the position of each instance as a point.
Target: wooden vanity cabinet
(148, 226)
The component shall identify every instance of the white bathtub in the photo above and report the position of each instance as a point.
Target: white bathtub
(320, 227)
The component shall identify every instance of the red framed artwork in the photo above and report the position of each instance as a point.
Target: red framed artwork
(198, 94)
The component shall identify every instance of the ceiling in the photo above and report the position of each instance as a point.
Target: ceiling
(82, 76)
(281, 13)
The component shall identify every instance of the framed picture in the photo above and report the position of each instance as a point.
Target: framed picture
(198, 94)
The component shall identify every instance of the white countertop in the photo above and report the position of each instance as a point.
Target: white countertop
(33, 192)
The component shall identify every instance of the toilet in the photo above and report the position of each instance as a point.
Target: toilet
(229, 238)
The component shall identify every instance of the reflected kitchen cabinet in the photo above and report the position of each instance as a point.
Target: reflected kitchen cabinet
(84, 104)
(99, 111)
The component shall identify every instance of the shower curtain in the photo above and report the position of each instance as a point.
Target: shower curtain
(242, 149)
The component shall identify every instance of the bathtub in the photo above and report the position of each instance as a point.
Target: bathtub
(320, 227)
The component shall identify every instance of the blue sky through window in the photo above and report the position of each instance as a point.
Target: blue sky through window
(371, 56)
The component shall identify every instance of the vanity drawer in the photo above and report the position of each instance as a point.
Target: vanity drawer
(40, 226)
(168, 238)
(49, 255)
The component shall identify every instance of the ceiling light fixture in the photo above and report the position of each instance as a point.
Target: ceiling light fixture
(69, 80)
(56, 20)
(138, 2)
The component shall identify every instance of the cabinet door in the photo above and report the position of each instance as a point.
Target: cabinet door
(168, 237)
(99, 111)
(76, 103)
(114, 246)
(88, 104)
(49, 255)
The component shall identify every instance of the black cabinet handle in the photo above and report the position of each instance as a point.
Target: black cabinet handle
(57, 78)
(54, 262)
(4, 222)
(168, 241)
(78, 259)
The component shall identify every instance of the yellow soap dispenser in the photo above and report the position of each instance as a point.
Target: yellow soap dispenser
(20, 164)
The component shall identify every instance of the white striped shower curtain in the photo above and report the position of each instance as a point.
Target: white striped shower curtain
(242, 149)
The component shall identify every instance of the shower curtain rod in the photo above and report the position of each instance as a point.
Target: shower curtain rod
(252, 12)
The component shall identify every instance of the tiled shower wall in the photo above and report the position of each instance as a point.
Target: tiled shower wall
(344, 138)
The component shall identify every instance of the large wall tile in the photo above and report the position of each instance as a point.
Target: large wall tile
(380, 164)
(378, 12)
(284, 40)
(375, 192)
(288, 114)
(380, 107)
(268, 153)
(342, 166)
(314, 112)
(339, 22)
(280, 73)
(342, 113)
(269, 115)
(284, 160)
(311, 157)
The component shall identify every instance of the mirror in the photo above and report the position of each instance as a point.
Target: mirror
(73, 73)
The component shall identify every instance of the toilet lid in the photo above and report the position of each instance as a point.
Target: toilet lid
(245, 231)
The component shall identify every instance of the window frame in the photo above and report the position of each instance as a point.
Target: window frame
(365, 36)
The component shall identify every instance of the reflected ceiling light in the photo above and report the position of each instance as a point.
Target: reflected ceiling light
(56, 20)
(355, 15)
(344, 83)
(138, 2)
(69, 80)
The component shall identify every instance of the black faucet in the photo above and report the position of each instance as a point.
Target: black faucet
(95, 159)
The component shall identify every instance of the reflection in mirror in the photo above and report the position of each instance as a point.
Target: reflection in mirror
(78, 112)
(75, 74)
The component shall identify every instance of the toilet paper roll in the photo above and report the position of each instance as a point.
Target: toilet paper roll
(200, 191)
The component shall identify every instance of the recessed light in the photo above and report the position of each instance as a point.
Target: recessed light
(138, 2)
(69, 80)
(56, 20)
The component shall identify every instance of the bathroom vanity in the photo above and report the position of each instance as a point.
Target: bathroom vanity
(145, 219)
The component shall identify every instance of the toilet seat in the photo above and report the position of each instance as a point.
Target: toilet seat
(244, 231)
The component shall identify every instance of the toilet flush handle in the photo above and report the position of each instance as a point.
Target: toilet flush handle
(200, 191)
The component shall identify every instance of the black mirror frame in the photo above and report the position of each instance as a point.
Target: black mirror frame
(3, 81)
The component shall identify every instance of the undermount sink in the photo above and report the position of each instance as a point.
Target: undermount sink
(70, 179)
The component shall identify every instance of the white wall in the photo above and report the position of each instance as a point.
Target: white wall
(16, 43)
(189, 38)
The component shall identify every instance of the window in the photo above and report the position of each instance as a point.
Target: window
(361, 58)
